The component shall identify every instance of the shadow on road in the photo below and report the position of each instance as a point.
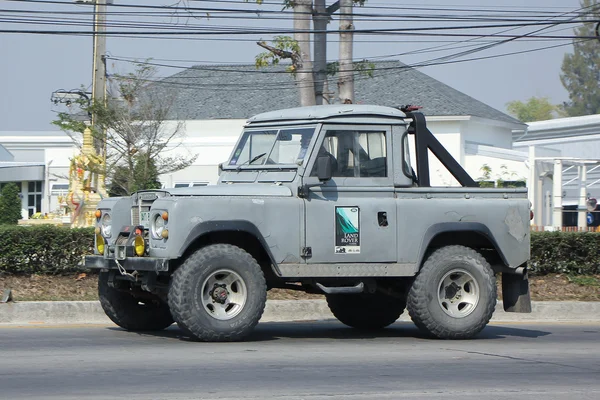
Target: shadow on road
(268, 331)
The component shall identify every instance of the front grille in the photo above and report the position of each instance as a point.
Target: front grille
(142, 201)
(135, 213)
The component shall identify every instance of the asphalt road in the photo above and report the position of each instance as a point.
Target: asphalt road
(291, 361)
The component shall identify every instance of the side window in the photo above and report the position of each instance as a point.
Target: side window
(357, 154)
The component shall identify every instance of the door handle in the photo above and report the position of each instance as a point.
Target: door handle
(382, 218)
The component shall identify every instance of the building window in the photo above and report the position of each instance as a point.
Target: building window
(34, 197)
(190, 184)
(59, 189)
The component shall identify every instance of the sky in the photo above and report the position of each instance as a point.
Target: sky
(35, 65)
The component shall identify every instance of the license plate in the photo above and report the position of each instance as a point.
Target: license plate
(145, 218)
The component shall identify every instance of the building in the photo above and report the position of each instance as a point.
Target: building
(215, 101)
(26, 159)
(565, 155)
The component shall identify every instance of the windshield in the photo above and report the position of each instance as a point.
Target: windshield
(272, 146)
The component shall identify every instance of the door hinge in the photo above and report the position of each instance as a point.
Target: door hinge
(306, 252)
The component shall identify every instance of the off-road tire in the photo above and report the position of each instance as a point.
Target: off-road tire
(366, 311)
(424, 307)
(186, 287)
(131, 313)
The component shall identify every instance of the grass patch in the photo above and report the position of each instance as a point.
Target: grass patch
(584, 280)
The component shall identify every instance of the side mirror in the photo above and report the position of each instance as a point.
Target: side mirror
(220, 168)
(324, 168)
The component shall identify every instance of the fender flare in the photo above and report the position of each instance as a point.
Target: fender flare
(445, 227)
(206, 227)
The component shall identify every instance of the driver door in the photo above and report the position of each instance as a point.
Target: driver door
(352, 217)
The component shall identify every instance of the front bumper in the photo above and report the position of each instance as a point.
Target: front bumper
(130, 263)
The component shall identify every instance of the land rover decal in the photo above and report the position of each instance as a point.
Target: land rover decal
(347, 230)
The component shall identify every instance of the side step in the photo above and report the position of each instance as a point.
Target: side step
(342, 290)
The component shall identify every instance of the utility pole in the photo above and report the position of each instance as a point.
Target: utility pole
(99, 66)
(305, 79)
(320, 20)
(346, 74)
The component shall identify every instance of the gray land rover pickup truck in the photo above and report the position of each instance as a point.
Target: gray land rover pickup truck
(321, 199)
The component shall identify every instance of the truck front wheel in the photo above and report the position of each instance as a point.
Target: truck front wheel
(129, 312)
(366, 311)
(218, 294)
(454, 294)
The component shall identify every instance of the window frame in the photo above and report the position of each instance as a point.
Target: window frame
(344, 181)
(278, 128)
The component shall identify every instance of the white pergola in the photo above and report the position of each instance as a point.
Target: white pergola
(579, 170)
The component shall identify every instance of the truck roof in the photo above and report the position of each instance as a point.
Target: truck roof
(332, 111)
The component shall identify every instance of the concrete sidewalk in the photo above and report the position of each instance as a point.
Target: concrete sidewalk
(90, 312)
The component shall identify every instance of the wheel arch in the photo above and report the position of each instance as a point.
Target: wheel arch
(241, 233)
(469, 234)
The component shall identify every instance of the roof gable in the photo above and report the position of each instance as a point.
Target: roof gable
(241, 91)
(6, 155)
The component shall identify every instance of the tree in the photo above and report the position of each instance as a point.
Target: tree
(10, 205)
(534, 109)
(581, 69)
(346, 73)
(135, 128)
(311, 77)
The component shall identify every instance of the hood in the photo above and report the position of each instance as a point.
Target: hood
(238, 189)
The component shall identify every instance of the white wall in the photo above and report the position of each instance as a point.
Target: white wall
(211, 140)
(448, 133)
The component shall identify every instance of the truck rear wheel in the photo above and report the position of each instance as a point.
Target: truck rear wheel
(454, 294)
(218, 294)
(366, 311)
(131, 313)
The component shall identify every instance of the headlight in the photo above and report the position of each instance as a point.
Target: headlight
(100, 244)
(106, 225)
(157, 226)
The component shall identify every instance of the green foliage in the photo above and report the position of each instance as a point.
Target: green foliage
(571, 253)
(584, 280)
(581, 69)
(283, 47)
(144, 177)
(534, 109)
(44, 249)
(364, 68)
(10, 205)
(52, 250)
(505, 178)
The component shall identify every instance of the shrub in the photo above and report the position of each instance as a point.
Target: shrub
(10, 205)
(565, 253)
(52, 250)
(44, 249)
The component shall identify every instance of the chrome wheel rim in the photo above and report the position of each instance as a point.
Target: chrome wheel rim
(224, 294)
(458, 293)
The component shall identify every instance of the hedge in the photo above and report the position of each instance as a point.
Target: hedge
(572, 253)
(43, 249)
(54, 250)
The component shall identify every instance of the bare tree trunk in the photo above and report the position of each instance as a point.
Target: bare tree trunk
(304, 74)
(320, 20)
(346, 73)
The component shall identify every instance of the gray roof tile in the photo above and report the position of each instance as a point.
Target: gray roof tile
(241, 91)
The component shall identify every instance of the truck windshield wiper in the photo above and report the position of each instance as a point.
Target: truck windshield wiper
(250, 161)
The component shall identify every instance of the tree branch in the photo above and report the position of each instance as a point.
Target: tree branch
(278, 52)
(333, 8)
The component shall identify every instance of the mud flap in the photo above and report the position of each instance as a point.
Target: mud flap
(515, 293)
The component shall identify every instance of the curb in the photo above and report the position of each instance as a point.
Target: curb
(90, 312)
